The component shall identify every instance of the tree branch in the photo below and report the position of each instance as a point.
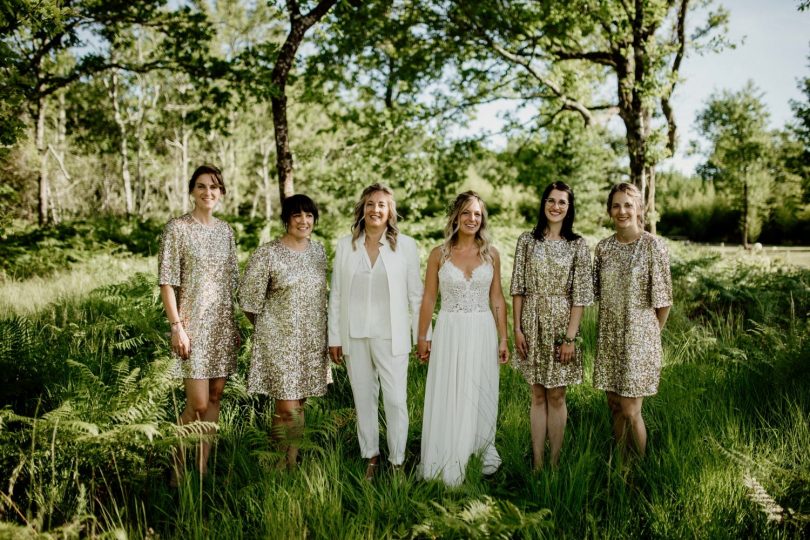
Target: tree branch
(666, 107)
(568, 103)
(59, 161)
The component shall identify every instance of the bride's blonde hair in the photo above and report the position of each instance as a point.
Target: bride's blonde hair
(451, 229)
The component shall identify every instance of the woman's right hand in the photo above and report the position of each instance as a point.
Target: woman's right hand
(181, 345)
(520, 344)
(423, 350)
(336, 354)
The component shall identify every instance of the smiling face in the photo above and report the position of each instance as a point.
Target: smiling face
(301, 225)
(624, 213)
(556, 206)
(470, 217)
(377, 209)
(206, 192)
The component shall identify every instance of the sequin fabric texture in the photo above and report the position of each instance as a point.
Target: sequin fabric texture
(630, 281)
(552, 276)
(199, 261)
(287, 291)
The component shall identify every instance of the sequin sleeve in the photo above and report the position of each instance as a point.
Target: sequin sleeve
(597, 269)
(255, 281)
(518, 286)
(169, 255)
(582, 285)
(660, 278)
(233, 264)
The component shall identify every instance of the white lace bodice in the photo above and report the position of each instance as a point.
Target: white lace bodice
(460, 294)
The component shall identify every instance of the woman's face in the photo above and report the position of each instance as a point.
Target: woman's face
(623, 212)
(470, 218)
(556, 206)
(301, 225)
(206, 192)
(376, 210)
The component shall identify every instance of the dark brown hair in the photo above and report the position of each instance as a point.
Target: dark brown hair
(207, 168)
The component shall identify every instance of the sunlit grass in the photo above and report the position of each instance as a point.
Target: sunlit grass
(732, 405)
(26, 297)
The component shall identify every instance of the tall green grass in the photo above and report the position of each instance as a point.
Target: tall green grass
(84, 450)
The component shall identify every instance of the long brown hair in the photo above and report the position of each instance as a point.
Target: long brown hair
(359, 224)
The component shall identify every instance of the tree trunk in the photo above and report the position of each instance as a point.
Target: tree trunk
(42, 151)
(123, 146)
(264, 148)
(284, 159)
(299, 24)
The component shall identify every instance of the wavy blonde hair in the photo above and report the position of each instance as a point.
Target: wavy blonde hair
(451, 229)
(359, 224)
(634, 193)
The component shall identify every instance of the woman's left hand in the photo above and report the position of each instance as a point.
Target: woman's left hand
(567, 351)
(503, 352)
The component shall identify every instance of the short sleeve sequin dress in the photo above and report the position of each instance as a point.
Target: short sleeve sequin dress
(199, 262)
(286, 289)
(630, 282)
(552, 276)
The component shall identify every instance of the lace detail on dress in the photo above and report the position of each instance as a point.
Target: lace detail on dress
(462, 294)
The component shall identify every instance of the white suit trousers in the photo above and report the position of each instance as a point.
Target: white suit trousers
(370, 365)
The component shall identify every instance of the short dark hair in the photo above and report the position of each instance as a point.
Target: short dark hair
(207, 168)
(298, 204)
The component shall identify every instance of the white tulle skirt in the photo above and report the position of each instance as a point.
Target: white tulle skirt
(461, 397)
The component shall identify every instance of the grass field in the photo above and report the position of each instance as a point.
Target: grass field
(87, 427)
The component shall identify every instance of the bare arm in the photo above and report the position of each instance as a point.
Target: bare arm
(181, 345)
(568, 350)
(498, 304)
(428, 304)
(333, 316)
(662, 314)
(520, 339)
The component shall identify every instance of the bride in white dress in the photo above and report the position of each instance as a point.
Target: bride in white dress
(461, 395)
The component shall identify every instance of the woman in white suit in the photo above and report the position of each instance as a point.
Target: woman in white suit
(374, 304)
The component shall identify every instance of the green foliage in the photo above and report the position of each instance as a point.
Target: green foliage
(737, 161)
(692, 208)
(85, 447)
(485, 518)
(42, 251)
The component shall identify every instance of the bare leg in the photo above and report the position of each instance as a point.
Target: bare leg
(215, 388)
(196, 408)
(557, 417)
(538, 420)
(288, 427)
(619, 424)
(631, 412)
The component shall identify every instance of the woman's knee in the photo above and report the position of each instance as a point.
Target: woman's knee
(538, 395)
(196, 408)
(630, 408)
(556, 397)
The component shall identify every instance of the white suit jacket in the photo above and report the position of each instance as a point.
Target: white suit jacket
(404, 290)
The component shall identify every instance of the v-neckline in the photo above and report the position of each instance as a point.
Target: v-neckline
(463, 273)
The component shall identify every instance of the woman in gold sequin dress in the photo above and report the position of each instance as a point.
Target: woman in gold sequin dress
(198, 276)
(551, 284)
(633, 286)
(283, 293)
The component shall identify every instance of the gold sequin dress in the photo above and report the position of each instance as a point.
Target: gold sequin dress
(630, 281)
(199, 261)
(551, 276)
(286, 289)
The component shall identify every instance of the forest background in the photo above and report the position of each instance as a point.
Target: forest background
(105, 109)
